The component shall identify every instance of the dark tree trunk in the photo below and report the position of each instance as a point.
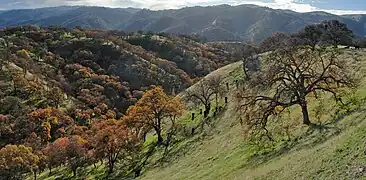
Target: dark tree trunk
(305, 114)
(110, 166)
(217, 103)
(246, 75)
(137, 172)
(158, 133)
(205, 114)
(144, 137)
(207, 110)
(35, 175)
(74, 172)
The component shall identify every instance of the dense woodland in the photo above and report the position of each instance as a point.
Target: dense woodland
(57, 83)
(75, 98)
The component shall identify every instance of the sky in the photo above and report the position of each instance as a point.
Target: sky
(331, 6)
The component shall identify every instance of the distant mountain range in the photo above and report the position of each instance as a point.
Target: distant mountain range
(216, 23)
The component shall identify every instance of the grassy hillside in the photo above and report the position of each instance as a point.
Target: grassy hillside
(332, 149)
(68, 90)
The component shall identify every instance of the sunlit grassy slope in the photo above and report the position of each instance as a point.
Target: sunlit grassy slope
(333, 149)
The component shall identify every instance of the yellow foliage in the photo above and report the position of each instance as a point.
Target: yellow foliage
(24, 54)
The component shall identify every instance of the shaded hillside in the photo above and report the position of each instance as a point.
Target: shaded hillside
(224, 22)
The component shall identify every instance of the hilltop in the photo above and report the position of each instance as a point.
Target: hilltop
(215, 23)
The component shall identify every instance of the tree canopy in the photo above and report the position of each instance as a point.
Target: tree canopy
(152, 110)
(288, 77)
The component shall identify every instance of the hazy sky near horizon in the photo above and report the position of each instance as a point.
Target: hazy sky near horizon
(332, 6)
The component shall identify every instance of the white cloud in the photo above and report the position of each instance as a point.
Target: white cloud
(294, 5)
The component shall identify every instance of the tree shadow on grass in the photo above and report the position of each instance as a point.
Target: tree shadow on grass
(203, 130)
(316, 134)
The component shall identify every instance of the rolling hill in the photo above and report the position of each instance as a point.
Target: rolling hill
(333, 150)
(91, 68)
(215, 23)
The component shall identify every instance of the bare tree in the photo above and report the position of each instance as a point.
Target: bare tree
(287, 79)
(204, 91)
(215, 83)
(275, 41)
(249, 55)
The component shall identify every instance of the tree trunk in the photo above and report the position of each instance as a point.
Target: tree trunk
(74, 172)
(207, 110)
(144, 137)
(110, 166)
(217, 103)
(246, 75)
(158, 133)
(137, 172)
(35, 175)
(305, 114)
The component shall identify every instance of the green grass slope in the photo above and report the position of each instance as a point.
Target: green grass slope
(334, 149)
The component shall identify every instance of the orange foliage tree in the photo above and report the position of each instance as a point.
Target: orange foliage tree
(76, 152)
(71, 150)
(113, 141)
(56, 152)
(49, 120)
(15, 161)
(151, 110)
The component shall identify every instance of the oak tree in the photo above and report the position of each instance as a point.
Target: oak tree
(204, 91)
(152, 110)
(76, 153)
(16, 160)
(56, 153)
(113, 141)
(310, 35)
(248, 54)
(275, 41)
(216, 84)
(289, 76)
(336, 33)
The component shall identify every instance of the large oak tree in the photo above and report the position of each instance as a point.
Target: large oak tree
(113, 141)
(16, 160)
(152, 110)
(288, 77)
